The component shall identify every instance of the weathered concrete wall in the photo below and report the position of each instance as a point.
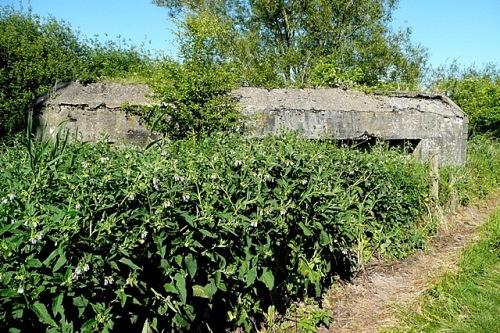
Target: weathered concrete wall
(435, 120)
(94, 111)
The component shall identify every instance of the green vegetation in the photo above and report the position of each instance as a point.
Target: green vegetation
(470, 183)
(95, 238)
(478, 178)
(467, 301)
(197, 101)
(303, 317)
(477, 92)
(115, 61)
(196, 94)
(280, 42)
(34, 55)
(214, 230)
(37, 54)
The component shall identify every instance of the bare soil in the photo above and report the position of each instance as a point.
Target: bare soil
(372, 301)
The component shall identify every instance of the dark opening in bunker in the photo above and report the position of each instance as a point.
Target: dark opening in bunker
(367, 144)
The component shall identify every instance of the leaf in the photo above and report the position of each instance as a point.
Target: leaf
(57, 305)
(199, 291)
(190, 219)
(191, 265)
(218, 281)
(60, 262)
(42, 314)
(81, 303)
(305, 230)
(324, 239)
(180, 321)
(180, 284)
(268, 278)
(129, 263)
(146, 328)
(18, 312)
(210, 288)
(207, 233)
(251, 276)
(34, 263)
(170, 288)
(162, 251)
(122, 297)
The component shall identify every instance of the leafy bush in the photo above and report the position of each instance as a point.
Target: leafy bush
(115, 60)
(34, 55)
(328, 74)
(191, 233)
(196, 94)
(477, 92)
(195, 99)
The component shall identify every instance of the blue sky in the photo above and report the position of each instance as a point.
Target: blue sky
(465, 30)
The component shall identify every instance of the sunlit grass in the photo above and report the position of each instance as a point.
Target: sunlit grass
(468, 301)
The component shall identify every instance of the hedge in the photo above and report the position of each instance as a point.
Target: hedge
(192, 234)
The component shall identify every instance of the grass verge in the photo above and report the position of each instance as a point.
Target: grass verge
(467, 301)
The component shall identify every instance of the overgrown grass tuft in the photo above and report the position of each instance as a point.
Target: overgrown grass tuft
(479, 177)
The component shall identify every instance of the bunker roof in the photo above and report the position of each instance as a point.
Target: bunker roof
(111, 95)
(335, 99)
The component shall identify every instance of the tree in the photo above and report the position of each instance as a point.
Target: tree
(280, 42)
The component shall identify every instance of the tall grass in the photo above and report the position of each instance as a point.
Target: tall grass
(469, 300)
(479, 177)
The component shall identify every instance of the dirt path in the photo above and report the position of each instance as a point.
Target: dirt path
(371, 301)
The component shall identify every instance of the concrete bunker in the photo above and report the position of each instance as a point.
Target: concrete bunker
(432, 124)
(96, 111)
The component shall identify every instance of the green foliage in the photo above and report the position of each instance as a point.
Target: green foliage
(280, 42)
(115, 60)
(34, 55)
(477, 92)
(327, 74)
(191, 233)
(195, 99)
(479, 177)
(466, 301)
(195, 95)
(304, 317)
(393, 66)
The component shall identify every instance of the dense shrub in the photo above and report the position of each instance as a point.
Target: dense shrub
(195, 94)
(477, 92)
(191, 233)
(195, 99)
(115, 60)
(34, 55)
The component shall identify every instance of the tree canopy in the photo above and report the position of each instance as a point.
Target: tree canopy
(286, 42)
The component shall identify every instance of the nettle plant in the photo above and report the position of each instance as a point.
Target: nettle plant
(192, 235)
